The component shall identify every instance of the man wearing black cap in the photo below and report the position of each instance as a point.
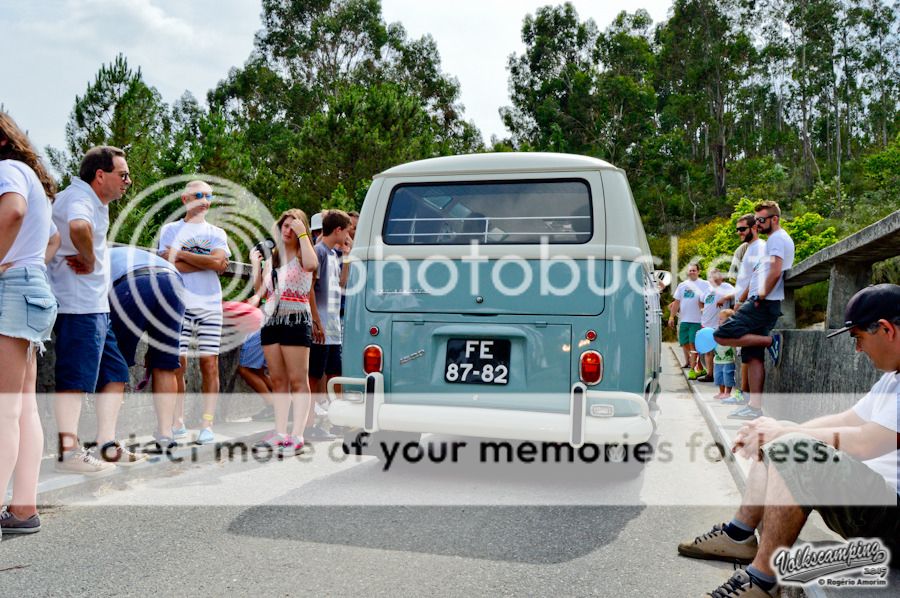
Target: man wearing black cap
(843, 465)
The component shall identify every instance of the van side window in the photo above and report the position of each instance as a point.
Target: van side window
(490, 213)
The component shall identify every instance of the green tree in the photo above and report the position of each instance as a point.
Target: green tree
(704, 60)
(551, 84)
(118, 108)
(334, 67)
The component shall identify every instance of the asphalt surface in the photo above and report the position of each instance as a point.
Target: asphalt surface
(324, 525)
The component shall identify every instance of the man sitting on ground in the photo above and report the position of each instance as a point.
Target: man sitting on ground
(857, 447)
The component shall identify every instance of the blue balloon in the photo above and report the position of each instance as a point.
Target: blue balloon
(705, 341)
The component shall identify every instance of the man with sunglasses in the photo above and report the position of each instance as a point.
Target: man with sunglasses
(747, 257)
(842, 465)
(88, 359)
(750, 326)
(199, 250)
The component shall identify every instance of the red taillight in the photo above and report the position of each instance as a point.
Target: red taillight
(372, 359)
(591, 335)
(591, 367)
(373, 330)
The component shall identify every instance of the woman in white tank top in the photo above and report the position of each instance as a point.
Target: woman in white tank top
(286, 334)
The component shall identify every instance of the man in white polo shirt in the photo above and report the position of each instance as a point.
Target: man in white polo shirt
(87, 356)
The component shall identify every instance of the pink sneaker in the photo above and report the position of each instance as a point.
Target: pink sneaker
(291, 445)
(272, 440)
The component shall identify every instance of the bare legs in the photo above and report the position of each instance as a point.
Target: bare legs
(288, 367)
(12, 380)
(67, 408)
(781, 518)
(209, 372)
(257, 380)
(756, 379)
(31, 448)
(165, 395)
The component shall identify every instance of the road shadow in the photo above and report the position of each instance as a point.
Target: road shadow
(522, 534)
(526, 512)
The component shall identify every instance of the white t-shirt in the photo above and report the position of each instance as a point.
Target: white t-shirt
(80, 293)
(779, 244)
(709, 316)
(203, 288)
(881, 405)
(689, 293)
(749, 272)
(30, 244)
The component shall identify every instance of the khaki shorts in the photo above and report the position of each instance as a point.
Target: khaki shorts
(854, 500)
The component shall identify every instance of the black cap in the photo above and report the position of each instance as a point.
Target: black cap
(873, 303)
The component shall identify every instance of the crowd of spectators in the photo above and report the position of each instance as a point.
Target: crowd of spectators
(59, 275)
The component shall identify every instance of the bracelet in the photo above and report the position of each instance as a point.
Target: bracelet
(300, 236)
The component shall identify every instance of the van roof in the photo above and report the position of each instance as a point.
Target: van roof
(497, 163)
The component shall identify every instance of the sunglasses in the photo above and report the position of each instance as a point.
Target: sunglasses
(761, 219)
(742, 229)
(199, 195)
(125, 176)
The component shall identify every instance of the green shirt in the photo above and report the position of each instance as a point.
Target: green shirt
(724, 354)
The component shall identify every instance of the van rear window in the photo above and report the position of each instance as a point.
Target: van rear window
(490, 213)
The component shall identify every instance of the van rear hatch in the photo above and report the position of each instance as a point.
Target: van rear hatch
(530, 247)
(507, 366)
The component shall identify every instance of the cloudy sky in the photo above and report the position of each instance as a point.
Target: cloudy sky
(190, 45)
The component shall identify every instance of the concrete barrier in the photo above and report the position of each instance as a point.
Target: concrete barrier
(828, 375)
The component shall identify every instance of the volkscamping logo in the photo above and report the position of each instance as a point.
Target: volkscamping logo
(858, 562)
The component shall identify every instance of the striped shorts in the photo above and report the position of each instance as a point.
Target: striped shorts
(201, 332)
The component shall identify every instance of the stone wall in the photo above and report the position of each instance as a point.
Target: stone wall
(137, 416)
(817, 376)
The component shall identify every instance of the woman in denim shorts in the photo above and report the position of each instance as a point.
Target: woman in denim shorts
(27, 313)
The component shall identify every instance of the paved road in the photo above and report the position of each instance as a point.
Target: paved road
(323, 526)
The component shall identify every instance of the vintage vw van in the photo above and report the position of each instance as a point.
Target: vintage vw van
(507, 295)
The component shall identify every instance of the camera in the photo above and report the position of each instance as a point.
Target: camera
(265, 247)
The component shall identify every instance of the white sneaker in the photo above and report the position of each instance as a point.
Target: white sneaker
(85, 463)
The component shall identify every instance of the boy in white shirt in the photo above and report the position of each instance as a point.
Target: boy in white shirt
(199, 250)
(710, 306)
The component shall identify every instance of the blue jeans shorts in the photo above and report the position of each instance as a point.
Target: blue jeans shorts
(723, 374)
(153, 303)
(87, 355)
(27, 305)
(252, 353)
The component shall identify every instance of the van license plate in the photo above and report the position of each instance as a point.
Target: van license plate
(477, 361)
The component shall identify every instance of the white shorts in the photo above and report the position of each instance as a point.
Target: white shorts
(201, 333)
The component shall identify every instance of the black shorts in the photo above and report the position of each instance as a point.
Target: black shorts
(324, 360)
(294, 330)
(750, 319)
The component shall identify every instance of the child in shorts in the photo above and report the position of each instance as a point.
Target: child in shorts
(723, 362)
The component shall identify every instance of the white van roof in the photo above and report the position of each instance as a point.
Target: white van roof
(497, 162)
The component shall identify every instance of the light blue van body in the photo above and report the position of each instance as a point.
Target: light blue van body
(483, 279)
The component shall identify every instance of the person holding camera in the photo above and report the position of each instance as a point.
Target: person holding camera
(286, 335)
